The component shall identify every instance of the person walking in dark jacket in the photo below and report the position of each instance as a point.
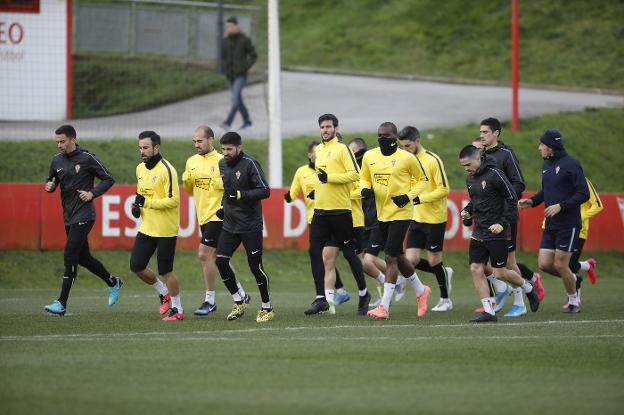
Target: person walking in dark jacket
(564, 189)
(244, 186)
(74, 170)
(237, 56)
(492, 207)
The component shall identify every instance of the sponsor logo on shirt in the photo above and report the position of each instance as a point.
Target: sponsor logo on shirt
(382, 178)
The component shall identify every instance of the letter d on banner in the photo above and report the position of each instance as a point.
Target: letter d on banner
(289, 231)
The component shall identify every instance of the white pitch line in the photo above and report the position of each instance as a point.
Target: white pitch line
(375, 326)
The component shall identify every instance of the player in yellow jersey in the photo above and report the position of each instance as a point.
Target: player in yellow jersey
(332, 222)
(395, 178)
(157, 203)
(426, 231)
(202, 180)
(589, 209)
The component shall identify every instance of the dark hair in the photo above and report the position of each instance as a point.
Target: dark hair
(358, 141)
(469, 151)
(67, 130)
(207, 131)
(493, 123)
(312, 145)
(390, 125)
(232, 138)
(409, 133)
(151, 135)
(232, 19)
(328, 117)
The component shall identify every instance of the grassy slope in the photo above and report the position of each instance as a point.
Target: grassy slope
(124, 360)
(563, 42)
(591, 136)
(106, 84)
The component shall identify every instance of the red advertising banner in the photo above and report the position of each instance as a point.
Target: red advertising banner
(30, 218)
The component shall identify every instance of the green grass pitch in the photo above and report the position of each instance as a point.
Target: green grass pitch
(125, 360)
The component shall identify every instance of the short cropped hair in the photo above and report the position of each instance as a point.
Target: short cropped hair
(390, 125)
(67, 130)
(493, 123)
(359, 142)
(232, 19)
(232, 138)
(469, 151)
(151, 135)
(328, 117)
(409, 133)
(312, 145)
(207, 131)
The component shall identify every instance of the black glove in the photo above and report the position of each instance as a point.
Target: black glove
(416, 200)
(467, 222)
(322, 175)
(219, 213)
(139, 200)
(136, 211)
(366, 193)
(287, 197)
(401, 201)
(310, 195)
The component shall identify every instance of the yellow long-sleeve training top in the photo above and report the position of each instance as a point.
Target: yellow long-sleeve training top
(357, 212)
(589, 209)
(432, 207)
(305, 181)
(338, 161)
(161, 211)
(391, 176)
(201, 178)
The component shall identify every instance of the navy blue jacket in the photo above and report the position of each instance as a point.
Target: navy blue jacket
(563, 183)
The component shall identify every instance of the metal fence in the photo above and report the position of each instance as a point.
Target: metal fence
(186, 29)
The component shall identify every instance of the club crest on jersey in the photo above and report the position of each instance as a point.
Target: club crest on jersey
(382, 178)
(393, 162)
(211, 169)
(77, 167)
(154, 179)
(238, 173)
(483, 183)
(557, 169)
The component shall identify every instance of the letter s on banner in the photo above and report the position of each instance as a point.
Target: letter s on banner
(289, 231)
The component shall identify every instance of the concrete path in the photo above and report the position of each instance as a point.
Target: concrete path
(361, 104)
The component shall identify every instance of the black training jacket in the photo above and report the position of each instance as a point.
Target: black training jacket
(77, 171)
(507, 161)
(237, 55)
(563, 183)
(492, 200)
(243, 174)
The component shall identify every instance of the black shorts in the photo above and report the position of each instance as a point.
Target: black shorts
(429, 236)
(358, 238)
(368, 234)
(511, 245)
(332, 230)
(495, 251)
(575, 266)
(144, 247)
(210, 232)
(560, 239)
(229, 242)
(390, 236)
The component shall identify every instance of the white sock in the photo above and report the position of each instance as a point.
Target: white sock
(241, 290)
(341, 290)
(584, 265)
(176, 303)
(527, 287)
(381, 277)
(534, 277)
(518, 296)
(237, 297)
(499, 285)
(417, 285)
(160, 287)
(210, 297)
(401, 279)
(573, 299)
(387, 295)
(319, 296)
(329, 295)
(487, 305)
(363, 292)
(267, 306)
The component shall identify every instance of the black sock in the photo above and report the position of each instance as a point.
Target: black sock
(227, 275)
(440, 274)
(527, 273)
(339, 283)
(68, 280)
(423, 265)
(355, 263)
